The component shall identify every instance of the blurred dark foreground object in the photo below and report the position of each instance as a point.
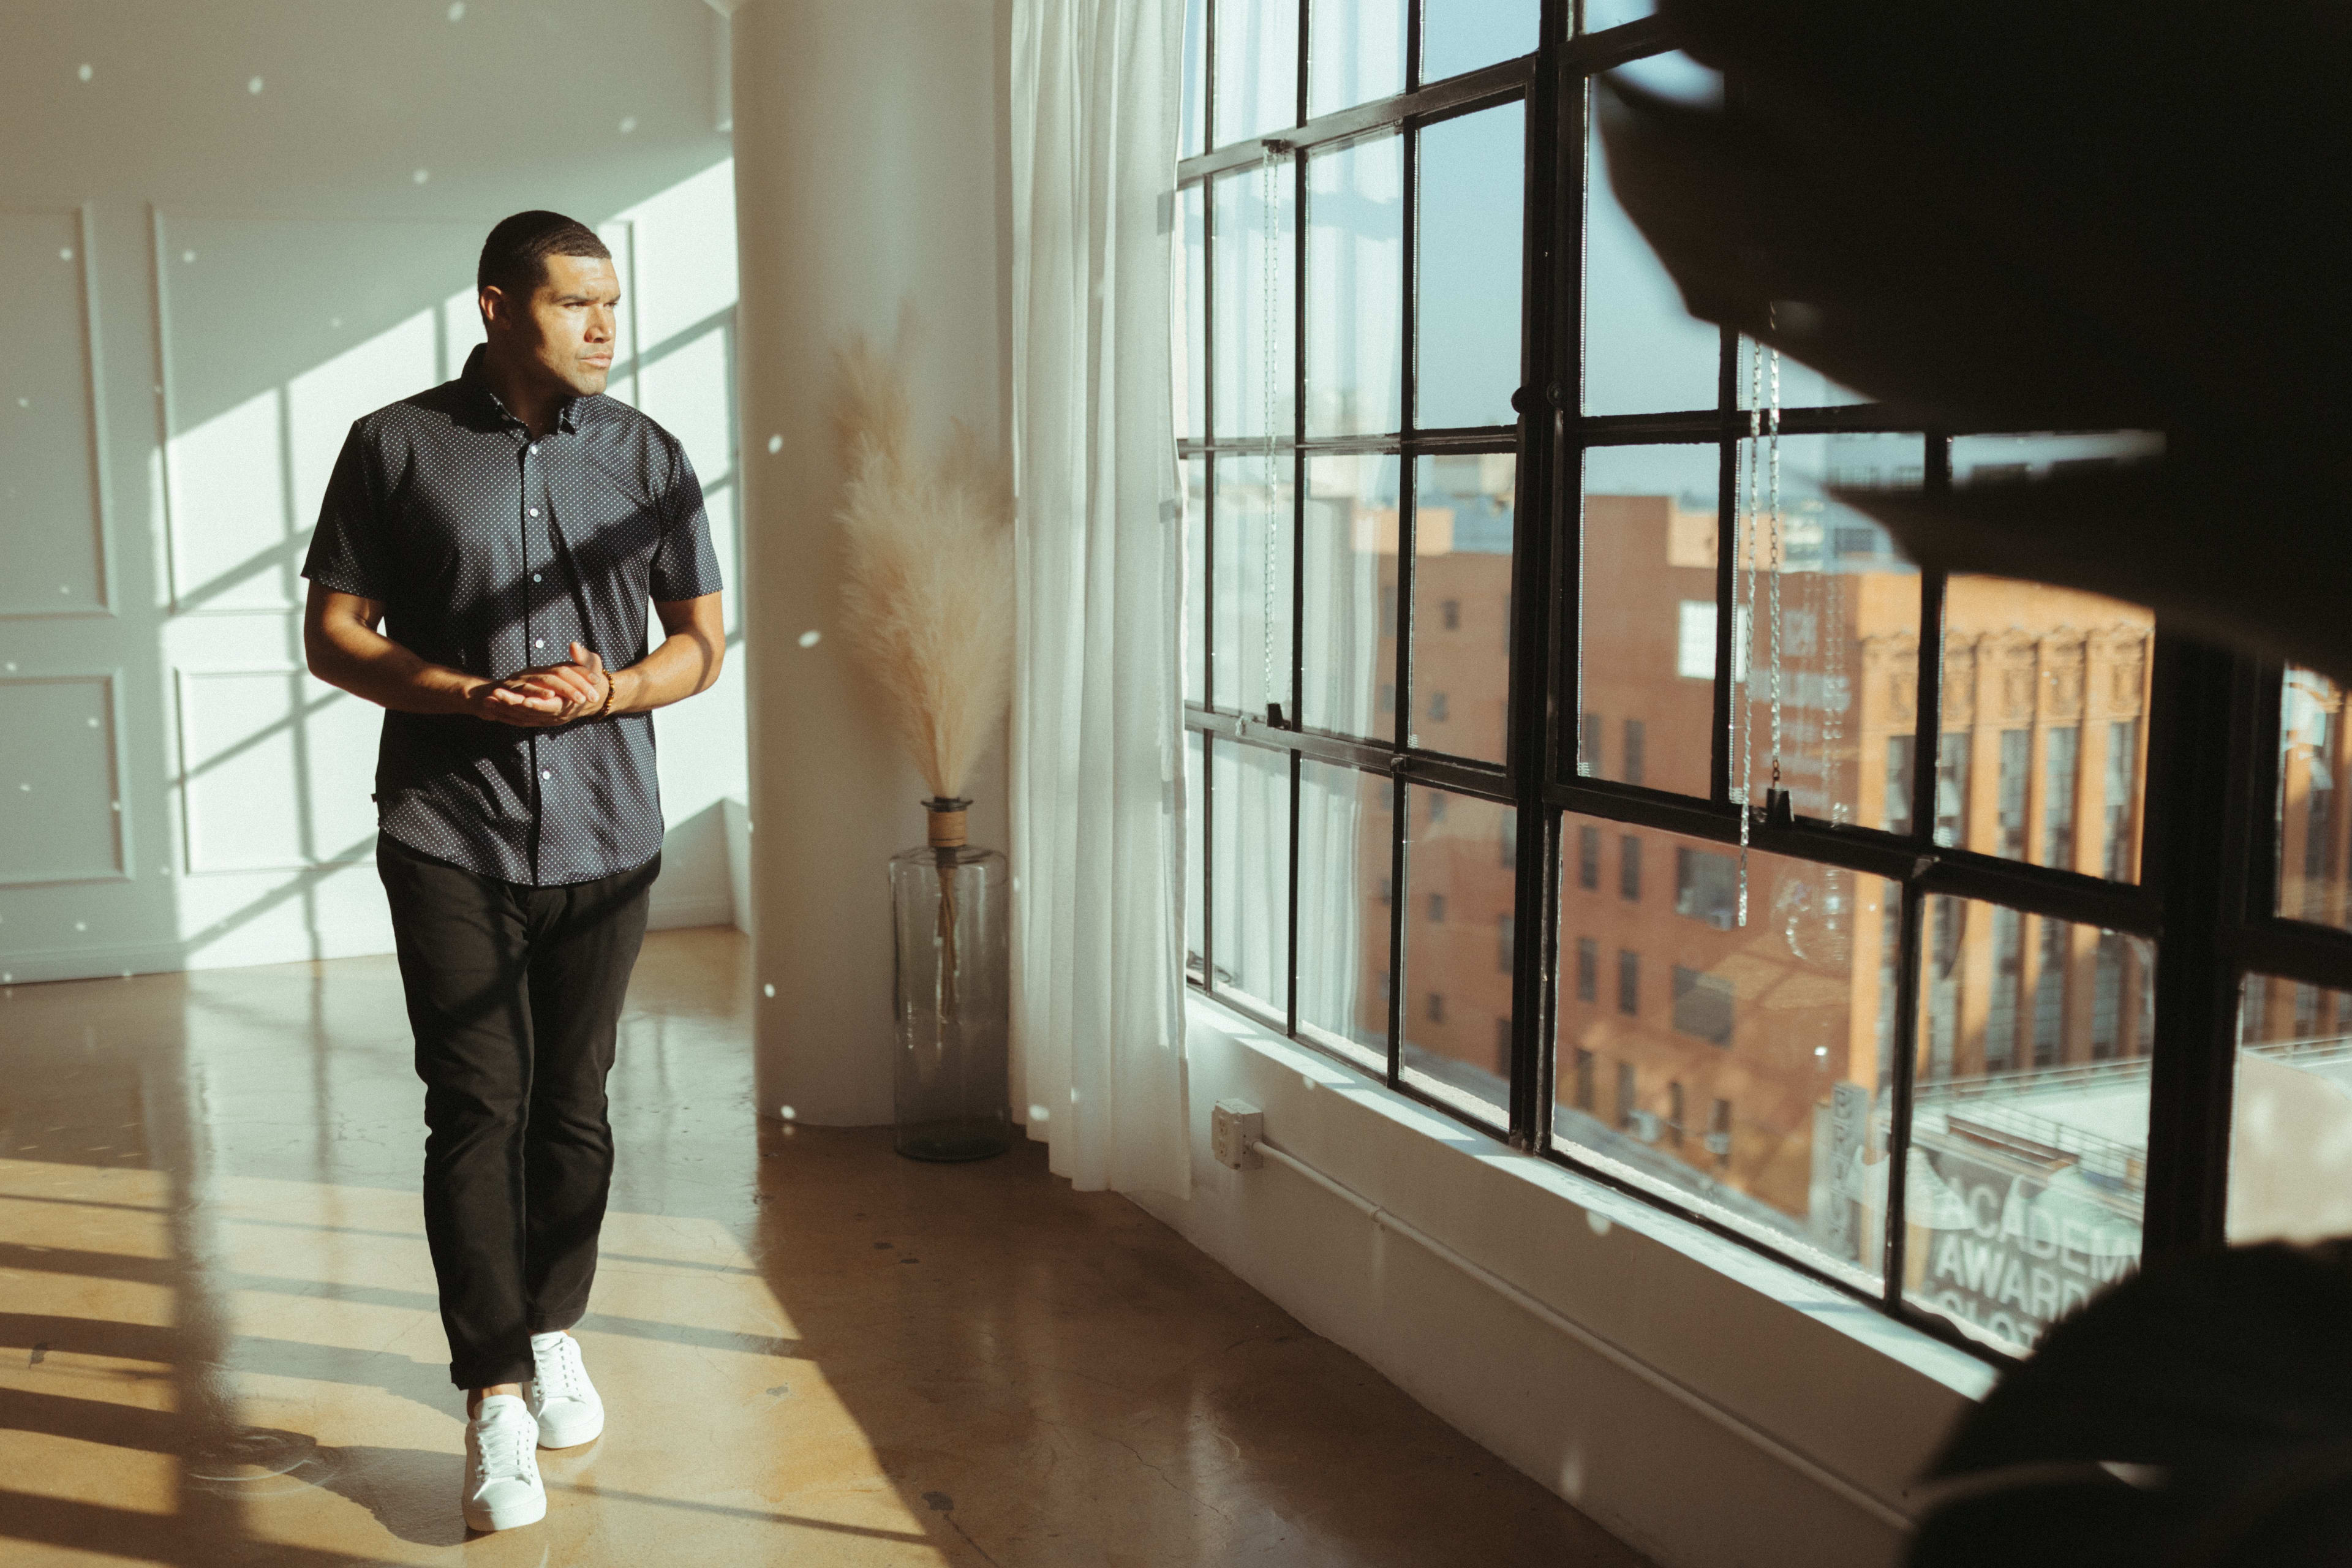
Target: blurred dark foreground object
(2196, 1416)
(2038, 214)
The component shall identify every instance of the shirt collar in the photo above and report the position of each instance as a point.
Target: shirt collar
(568, 413)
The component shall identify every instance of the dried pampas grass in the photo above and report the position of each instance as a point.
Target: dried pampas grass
(928, 600)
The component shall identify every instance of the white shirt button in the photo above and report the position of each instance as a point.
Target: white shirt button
(539, 642)
(546, 774)
(534, 448)
(534, 576)
(534, 511)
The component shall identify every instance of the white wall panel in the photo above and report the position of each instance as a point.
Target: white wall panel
(275, 770)
(60, 789)
(51, 509)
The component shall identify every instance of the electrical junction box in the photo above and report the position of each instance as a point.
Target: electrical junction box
(1234, 1127)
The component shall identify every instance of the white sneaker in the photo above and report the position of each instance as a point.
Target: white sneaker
(502, 1485)
(561, 1395)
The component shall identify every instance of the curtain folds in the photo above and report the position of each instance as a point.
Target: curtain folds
(1097, 1025)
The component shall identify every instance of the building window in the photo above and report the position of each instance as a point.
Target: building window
(1449, 613)
(1629, 982)
(1437, 908)
(1438, 1006)
(1703, 1005)
(1439, 709)
(1505, 942)
(1583, 1080)
(1637, 743)
(1629, 866)
(1436, 804)
(1503, 1047)
(1675, 1113)
(1588, 746)
(1587, 970)
(1718, 1131)
(1588, 857)
(1706, 886)
(1510, 840)
(1628, 1100)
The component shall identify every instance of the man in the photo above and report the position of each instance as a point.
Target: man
(481, 569)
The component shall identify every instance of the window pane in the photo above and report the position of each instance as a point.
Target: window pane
(1459, 35)
(1252, 872)
(1346, 838)
(1355, 287)
(1650, 612)
(1192, 136)
(1453, 990)
(1643, 352)
(2025, 1185)
(1196, 579)
(1599, 14)
(1472, 182)
(2312, 757)
(1252, 522)
(1257, 68)
(2291, 1139)
(1848, 646)
(1193, 322)
(1351, 587)
(1801, 387)
(1778, 1032)
(2051, 687)
(1462, 602)
(1256, 283)
(1195, 856)
(1356, 53)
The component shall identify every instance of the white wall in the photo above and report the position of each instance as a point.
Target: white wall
(870, 147)
(1815, 1373)
(227, 230)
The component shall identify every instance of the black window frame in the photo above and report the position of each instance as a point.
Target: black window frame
(2208, 877)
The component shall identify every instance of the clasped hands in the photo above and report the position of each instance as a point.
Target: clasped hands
(548, 695)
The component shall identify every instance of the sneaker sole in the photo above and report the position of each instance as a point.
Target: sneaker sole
(529, 1511)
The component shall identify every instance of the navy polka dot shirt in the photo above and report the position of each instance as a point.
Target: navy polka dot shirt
(492, 552)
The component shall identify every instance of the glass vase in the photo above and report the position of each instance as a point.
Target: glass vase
(948, 906)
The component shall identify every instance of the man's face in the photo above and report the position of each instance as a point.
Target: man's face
(565, 329)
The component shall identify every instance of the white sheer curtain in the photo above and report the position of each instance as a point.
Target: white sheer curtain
(1099, 1042)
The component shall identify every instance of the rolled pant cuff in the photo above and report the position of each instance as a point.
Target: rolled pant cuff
(492, 1375)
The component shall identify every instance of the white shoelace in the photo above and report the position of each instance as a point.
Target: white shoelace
(565, 1384)
(515, 1443)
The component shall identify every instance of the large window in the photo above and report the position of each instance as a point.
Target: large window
(1509, 579)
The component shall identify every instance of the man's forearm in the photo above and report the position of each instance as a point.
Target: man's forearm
(684, 664)
(370, 665)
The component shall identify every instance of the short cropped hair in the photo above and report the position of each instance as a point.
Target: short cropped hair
(514, 257)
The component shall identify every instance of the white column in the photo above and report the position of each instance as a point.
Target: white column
(869, 144)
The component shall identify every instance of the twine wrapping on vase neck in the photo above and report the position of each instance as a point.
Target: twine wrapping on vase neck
(947, 823)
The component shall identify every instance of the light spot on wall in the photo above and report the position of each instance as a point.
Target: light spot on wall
(86, 73)
(23, 403)
(808, 639)
(770, 990)
(254, 86)
(92, 722)
(1598, 1222)
(187, 256)
(422, 175)
(628, 123)
(456, 10)
(334, 320)
(775, 445)
(785, 1111)
(81, 925)
(65, 254)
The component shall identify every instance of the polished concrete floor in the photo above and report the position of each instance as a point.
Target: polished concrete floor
(218, 1342)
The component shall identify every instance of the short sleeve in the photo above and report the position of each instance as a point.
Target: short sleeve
(348, 548)
(686, 563)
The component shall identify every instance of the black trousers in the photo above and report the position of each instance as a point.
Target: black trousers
(514, 994)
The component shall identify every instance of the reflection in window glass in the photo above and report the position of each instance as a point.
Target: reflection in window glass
(1250, 521)
(2290, 1134)
(1351, 584)
(1196, 579)
(2007, 459)
(1459, 35)
(1256, 295)
(1355, 287)
(2051, 687)
(1193, 134)
(1773, 1027)
(1344, 845)
(1251, 871)
(1463, 508)
(1355, 55)
(1847, 659)
(1599, 14)
(2024, 1192)
(1257, 67)
(1650, 610)
(1190, 350)
(2311, 831)
(1643, 352)
(1801, 387)
(1450, 854)
(1196, 855)
(1471, 187)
